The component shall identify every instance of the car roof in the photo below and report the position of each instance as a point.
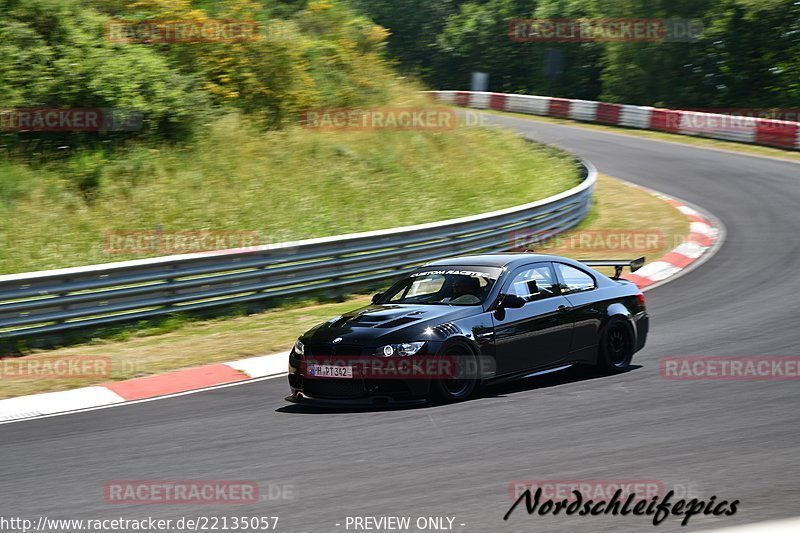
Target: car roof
(505, 259)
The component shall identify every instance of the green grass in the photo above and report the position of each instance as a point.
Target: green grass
(284, 185)
(619, 208)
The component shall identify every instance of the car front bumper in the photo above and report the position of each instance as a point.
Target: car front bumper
(353, 390)
(297, 397)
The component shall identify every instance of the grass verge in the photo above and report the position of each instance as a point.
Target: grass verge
(626, 222)
(280, 185)
(141, 353)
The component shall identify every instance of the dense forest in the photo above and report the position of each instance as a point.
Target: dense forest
(59, 54)
(748, 54)
(348, 53)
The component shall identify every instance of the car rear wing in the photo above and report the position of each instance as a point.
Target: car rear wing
(618, 264)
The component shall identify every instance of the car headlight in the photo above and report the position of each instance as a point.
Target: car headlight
(403, 350)
(299, 349)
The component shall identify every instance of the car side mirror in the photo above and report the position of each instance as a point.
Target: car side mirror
(511, 301)
(377, 296)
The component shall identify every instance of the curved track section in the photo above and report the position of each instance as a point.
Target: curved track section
(730, 439)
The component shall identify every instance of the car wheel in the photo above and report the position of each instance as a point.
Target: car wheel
(616, 347)
(461, 387)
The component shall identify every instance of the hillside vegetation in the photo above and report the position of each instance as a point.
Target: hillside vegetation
(283, 185)
(220, 147)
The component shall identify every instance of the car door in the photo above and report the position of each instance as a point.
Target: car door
(539, 333)
(580, 288)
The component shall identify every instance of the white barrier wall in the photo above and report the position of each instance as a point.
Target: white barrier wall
(535, 105)
(585, 110)
(634, 116)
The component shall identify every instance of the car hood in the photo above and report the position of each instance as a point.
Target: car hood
(386, 323)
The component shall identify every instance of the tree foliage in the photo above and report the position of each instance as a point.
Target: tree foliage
(748, 54)
(57, 54)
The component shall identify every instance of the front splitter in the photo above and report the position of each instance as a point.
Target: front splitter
(377, 402)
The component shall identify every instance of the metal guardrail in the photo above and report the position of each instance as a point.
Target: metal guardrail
(54, 301)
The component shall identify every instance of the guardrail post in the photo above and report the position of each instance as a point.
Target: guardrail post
(171, 292)
(64, 307)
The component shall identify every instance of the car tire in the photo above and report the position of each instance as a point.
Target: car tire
(456, 390)
(615, 350)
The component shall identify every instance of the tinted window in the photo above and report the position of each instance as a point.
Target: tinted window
(575, 280)
(534, 283)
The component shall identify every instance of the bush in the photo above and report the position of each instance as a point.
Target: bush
(53, 54)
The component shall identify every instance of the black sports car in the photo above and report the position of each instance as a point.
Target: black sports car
(452, 325)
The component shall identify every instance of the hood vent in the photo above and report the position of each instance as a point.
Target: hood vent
(340, 323)
(447, 329)
(396, 322)
(365, 320)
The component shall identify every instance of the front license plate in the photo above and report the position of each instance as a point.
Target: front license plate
(330, 371)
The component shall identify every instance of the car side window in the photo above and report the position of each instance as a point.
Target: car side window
(575, 280)
(534, 283)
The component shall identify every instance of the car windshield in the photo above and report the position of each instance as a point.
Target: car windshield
(452, 286)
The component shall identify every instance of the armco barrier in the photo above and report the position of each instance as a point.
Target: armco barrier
(634, 116)
(752, 130)
(777, 133)
(559, 107)
(606, 113)
(666, 120)
(583, 110)
(53, 301)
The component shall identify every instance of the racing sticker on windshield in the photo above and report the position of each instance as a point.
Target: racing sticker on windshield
(471, 273)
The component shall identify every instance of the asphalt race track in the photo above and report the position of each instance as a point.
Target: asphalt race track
(736, 440)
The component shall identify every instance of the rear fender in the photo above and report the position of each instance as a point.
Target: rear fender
(618, 311)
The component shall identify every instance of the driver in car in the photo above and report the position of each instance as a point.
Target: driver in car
(466, 290)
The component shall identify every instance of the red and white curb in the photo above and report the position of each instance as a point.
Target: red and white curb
(706, 234)
(146, 388)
